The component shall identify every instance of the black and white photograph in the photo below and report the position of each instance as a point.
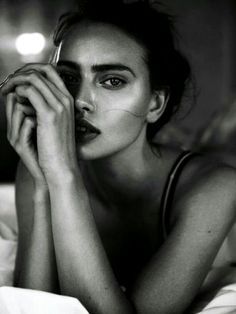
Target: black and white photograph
(117, 157)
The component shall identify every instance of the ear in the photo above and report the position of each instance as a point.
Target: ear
(157, 105)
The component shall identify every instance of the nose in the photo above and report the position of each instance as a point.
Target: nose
(84, 99)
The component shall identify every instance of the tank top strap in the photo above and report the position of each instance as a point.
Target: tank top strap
(170, 185)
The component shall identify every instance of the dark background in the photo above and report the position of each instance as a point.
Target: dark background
(206, 36)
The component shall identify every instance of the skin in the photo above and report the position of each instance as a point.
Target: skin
(91, 219)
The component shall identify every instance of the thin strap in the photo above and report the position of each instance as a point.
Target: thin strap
(167, 196)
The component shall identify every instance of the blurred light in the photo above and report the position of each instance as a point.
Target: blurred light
(30, 43)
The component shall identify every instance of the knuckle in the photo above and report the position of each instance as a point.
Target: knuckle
(48, 67)
(18, 147)
(33, 77)
(19, 107)
(21, 89)
(27, 120)
(60, 109)
(66, 101)
(29, 89)
(30, 121)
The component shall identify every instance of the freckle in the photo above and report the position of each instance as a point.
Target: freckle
(209, 231)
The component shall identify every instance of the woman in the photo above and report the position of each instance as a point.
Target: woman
(91, 189)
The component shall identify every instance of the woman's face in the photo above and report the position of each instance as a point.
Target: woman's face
(105, 71)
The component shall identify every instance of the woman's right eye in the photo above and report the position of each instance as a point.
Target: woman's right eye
(69, 78)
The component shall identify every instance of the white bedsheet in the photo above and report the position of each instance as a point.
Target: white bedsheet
(16, 300)
(26, 301)
(223, 303)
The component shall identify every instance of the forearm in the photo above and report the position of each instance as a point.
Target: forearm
(83, 267)
(35, 265)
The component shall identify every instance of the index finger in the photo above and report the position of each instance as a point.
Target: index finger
(50, 72)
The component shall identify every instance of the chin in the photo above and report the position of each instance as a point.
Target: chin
(107, 146)
(87, 151)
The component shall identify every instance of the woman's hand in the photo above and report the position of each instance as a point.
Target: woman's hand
(53, 107)
(21, 128)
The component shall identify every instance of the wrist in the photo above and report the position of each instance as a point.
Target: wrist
(41, 200)
(64, 176)
(40, 186)
(69, 182)
(41, 190)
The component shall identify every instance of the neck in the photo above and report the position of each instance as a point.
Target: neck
(123, 175)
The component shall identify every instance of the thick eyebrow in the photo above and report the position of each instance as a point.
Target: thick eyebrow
(69, 64)
(97, 67)
(112, 67)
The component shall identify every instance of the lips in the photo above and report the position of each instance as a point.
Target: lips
(85, 131)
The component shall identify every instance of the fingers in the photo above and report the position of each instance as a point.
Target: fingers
(28, 125)
(19, 129)
(20, 112)
(25, 147)
(21, 134)
(15, 118)
(36, 99)
(5, 80)
(50, 72)
(9, 109)
(32, 82)
(24, 138)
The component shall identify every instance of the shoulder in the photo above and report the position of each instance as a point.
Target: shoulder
(202, 172)
(206, 187)
(203, 209)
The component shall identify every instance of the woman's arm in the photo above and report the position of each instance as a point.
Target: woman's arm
(35, 263)
(173, 277)
(83, 266)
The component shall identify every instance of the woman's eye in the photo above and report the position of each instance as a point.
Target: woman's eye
(69, 78)
(113, 83)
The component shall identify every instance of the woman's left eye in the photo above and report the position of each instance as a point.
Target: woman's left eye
(113, 83)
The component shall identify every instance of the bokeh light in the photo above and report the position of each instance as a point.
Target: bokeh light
(30, 43)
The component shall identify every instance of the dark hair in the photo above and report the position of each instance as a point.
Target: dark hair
(154, 31)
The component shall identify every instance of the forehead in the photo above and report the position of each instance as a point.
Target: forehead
(94, 43)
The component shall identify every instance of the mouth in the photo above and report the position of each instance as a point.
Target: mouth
(85, 131)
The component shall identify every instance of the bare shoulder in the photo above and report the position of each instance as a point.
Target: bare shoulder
(203, 172)
(206, 188)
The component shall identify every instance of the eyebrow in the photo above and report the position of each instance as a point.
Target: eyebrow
(112, 66)
(98, 67)
(69, 64)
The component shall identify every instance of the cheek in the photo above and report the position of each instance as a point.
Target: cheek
(121, 127)
(123, 112)
(132, 99)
